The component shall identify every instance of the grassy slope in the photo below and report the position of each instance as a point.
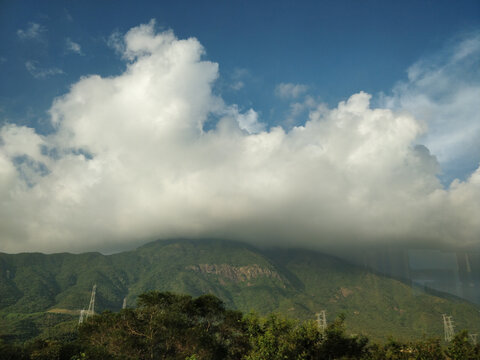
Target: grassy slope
(373, 304)
(305, 283)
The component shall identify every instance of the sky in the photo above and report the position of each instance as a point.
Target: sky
(279, 122)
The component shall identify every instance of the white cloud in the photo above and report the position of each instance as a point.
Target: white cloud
(41, 73)
(444, 91)
(21, 141)
(115, 41)
(239, 73)
(34, 31)
(298, 110)
(238, 76)
(238, 79)
(73, 46)
(247, 121)
(237, 85)
(132, 163)
(290, 91)
(68, 16)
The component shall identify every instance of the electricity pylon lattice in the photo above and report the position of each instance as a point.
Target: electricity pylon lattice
(322, 320)
(473, 337)
(91, 306)
(124, 306)
(448, 327)
(84, 314)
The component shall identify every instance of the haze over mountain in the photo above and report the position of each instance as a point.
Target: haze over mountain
(40, 291)
(155, 151)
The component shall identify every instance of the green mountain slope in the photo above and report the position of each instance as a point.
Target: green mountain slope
(296, 283)
(374, 305)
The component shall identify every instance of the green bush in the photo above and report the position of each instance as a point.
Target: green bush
(179, 327)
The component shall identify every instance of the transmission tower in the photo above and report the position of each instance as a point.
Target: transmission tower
(448, 327)
(124, 306)
(91, 306)
(322, 320)
(473, 337)
(84, 314)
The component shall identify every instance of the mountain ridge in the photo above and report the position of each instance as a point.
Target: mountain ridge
(295, 282)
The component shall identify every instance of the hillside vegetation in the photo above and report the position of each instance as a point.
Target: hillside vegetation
(171, 326)
(43, 294)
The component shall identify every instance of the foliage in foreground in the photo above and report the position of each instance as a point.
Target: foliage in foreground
(171, 326)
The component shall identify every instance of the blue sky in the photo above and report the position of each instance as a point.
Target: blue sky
(280, 63)
(337, 48)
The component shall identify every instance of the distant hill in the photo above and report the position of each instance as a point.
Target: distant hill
(38, 291)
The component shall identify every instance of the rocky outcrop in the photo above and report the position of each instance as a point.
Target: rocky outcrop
(235, 273)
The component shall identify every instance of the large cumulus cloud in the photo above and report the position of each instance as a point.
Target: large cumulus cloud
(130, 160)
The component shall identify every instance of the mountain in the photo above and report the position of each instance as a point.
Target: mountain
(450, 270)
(44, 293)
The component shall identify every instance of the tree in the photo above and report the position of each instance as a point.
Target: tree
(336, 344)
(168, 326)
(461, 348)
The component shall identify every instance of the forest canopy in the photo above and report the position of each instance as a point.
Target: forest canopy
(165, 325)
